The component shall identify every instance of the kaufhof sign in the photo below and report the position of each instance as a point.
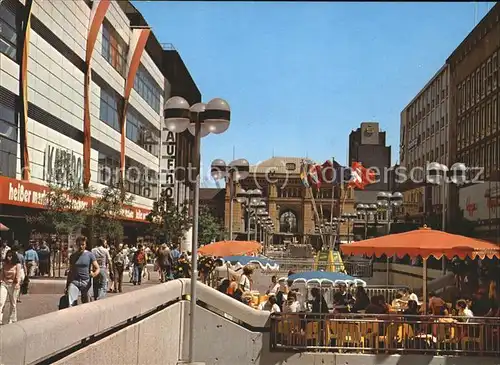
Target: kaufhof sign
(62, 166)
(169, 158)
(25, 194)
(481, 201)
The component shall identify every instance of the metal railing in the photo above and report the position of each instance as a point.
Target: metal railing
(356, 269)
(390, 334)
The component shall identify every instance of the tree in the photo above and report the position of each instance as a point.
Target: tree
(106, 213)
(65, 210)
(209, 227)
(168, 221)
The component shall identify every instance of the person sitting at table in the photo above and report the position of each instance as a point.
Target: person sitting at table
(274, 307)
(463, 310)
(266, 305)
(274, 286)
(398, 302)
(292, 305)
(347, 298)
(375, 306)
(411, 310)
(361, 300)
(318, 303)
(339, 305)
(435, 304)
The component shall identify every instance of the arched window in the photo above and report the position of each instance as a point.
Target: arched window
(288, 222)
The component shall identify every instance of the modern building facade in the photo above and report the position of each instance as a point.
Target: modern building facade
(424, 138)
(82, 89)
(289, 203)
(475, 128)
(367, 145)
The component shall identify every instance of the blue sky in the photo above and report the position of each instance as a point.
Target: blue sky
(299, 76)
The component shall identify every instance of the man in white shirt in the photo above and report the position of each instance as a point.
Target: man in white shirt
(100, 282)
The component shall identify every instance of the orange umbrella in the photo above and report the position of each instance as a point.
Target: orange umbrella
(230, 248)
(423, 242)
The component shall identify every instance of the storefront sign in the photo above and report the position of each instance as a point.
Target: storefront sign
(25, 194)
(481, 201)
(62, 166)
(169, 156)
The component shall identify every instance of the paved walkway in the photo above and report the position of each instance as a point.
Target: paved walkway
(37, 304)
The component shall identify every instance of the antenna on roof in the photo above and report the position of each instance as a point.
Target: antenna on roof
(273, 152)
(234, 152)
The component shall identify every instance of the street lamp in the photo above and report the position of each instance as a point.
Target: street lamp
(439, 174)
(366, 211)
(200, 119)
(235, 171)
(250, 199)
(348, 218)
(387, 201)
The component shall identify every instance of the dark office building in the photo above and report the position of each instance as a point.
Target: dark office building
(367, 145)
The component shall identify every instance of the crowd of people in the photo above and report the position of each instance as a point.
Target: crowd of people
(282, 297)
(91, 272)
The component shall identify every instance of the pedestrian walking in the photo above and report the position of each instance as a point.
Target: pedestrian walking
(120, 262)
(139, 261)
(83, 267)
(17, 249)
(10, 279)
(100, 281)
(31, 258)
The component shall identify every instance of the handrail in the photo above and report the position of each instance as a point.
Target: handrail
(38, 338)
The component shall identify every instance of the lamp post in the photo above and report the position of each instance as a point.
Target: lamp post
(348, 218)
(250, 199)
(387, 201)
(235, 171)
(200, 119)
(259, 213)
(439, 174)
(366, 210)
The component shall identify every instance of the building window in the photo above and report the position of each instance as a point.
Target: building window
(140, 131)
(147, 88)
(8, 142)
(488, 119)
(483, 81)
(140, 180)
(494, 115)
(489, 75)
(483, 120)
(114, 49)
(109, 107)
(109, 169)
(467, 94)
(8, 35)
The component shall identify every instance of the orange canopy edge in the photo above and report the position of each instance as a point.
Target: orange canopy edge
(230, 248)
(423, 242)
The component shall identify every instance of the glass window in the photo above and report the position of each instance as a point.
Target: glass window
(108, 111)
(140, 180)
(109, 169)
(140, 131)
(147, 88)
(8, 35)
(114, 49)
(8, 142)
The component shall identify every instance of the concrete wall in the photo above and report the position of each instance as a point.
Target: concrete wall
(161, 338)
